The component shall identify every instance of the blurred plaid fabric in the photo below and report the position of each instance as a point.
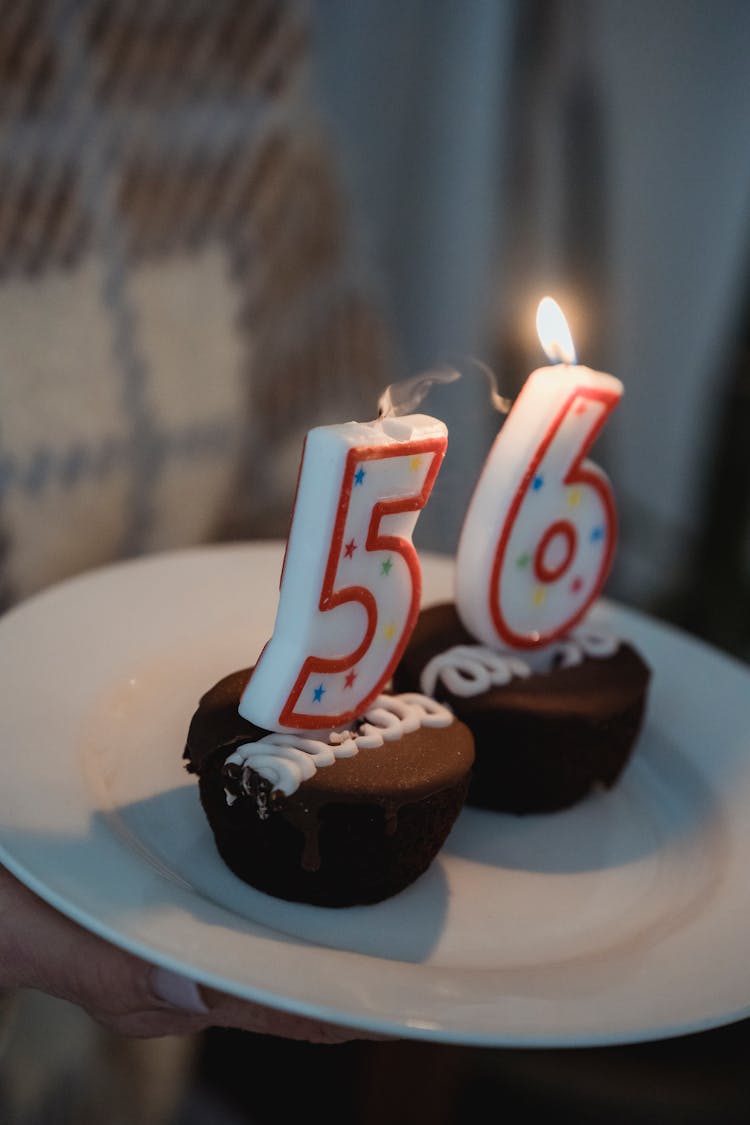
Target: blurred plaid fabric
(179, 297)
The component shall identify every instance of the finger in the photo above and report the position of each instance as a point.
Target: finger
(229, 1011)
(42, 949)
(150, 1024)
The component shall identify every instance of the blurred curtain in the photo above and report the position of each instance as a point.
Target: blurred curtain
(414, 95)
(596, 150)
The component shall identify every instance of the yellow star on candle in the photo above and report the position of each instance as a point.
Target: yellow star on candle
(389, 631)
(539, 595)
(574, 497)
(415, 463)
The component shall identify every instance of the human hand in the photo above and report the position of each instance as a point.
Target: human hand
(42, 949)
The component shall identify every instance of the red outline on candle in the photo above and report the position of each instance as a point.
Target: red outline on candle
(576, 475)
(330, 598)
(550, 574)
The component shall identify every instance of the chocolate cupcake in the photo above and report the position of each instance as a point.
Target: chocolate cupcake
(548, 727)
(334, 819)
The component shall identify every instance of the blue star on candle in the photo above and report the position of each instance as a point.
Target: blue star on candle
(537, 483)
(597, 534)
(360, 475)
(318, 693)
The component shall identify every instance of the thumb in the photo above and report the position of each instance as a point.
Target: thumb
(42, 949)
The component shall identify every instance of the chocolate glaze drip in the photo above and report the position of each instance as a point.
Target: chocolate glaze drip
(412, 787)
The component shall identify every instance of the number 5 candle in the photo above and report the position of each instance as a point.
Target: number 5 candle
(539, 534)
(351, 580)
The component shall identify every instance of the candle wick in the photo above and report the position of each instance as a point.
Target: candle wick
(557, 353)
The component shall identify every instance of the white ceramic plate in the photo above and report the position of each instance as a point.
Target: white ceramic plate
(623, 919)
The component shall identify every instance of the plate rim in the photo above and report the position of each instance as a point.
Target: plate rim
(354, 1020)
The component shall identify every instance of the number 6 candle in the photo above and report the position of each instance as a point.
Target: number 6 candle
(539, 535)
(351, 580)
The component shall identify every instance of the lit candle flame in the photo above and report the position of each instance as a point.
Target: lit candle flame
(554, 333)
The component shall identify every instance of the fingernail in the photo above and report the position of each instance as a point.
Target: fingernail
(177, 990)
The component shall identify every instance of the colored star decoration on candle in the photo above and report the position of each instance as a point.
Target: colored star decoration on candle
(351, 581)
(539, 534)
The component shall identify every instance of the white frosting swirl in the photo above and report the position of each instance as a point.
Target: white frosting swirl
(286, 760)
(468, 670)
(471, 669)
